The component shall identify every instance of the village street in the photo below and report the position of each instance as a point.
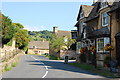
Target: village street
(34, 66)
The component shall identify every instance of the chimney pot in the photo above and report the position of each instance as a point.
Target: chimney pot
(55, 29)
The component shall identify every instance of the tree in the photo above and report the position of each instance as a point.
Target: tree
(7, 29)
(21, 36)
(69, 42)
(56, 43)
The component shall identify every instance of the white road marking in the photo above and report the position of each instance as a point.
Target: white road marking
(45, 74)
(44, 66)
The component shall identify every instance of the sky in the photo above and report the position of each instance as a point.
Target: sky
(36, 16)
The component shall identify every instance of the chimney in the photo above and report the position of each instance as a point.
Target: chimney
(55, 29)
(94, 1)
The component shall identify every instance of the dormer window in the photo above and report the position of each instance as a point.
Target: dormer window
(104, 4)
(81, 15)
(104, 19)
(34, 47)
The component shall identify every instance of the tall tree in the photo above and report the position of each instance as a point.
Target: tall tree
(56, 43)
(21, 36)
(7, 29)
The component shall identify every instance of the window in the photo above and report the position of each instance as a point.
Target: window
(81, 27)
(79, 45)
(34, 47)
(101, 42)
(81, 15)
(104, 4)
(105, 19)
(74, 36)
(84, 34)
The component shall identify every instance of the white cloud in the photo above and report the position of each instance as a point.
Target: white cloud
(34, 28)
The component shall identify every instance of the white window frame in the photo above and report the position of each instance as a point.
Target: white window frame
(104, 38)
(79, 45)
(104, 4)
(84, 34)
(106, 24)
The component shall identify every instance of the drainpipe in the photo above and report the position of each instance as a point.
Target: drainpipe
(110, 30)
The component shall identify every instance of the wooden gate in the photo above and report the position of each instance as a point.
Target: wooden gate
(118, 48)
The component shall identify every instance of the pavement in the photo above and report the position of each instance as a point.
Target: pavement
(35, 66)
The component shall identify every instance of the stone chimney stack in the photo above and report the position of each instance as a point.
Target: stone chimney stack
(55, 29)
(94, 1)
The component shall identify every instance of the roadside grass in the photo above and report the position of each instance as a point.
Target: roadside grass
(98, 70)
(51, 57)
(14, 64)
(8, 68)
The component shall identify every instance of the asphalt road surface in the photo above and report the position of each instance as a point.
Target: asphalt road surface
(34, 66)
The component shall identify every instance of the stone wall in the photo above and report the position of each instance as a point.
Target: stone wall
(9, 63)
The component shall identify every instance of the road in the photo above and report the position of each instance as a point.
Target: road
(34, 66)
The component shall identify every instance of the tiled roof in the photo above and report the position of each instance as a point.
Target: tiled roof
(115, 6)
(39, 44)
(86, 9)
(94, 13)
(61, 33)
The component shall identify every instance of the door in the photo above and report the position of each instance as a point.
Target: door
(118, 48)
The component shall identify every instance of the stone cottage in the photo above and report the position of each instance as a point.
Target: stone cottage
(38, 47)
(102, 28)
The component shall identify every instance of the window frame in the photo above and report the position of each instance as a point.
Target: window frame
(81, 27)
(103, 21)
(81, 15)
(104, 44)
(104, 4)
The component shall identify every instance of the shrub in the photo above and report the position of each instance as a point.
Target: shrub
(107, 60)
(7, 68)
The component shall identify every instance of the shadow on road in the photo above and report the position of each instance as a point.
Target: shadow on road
(61, 66)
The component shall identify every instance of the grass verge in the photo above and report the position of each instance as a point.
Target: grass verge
(8, 68)
(91, 68)
(51, 57)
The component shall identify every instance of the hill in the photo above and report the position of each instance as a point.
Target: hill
(40, 35)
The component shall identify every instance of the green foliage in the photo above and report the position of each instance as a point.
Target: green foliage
(69, 42)
(14, 64)
(10, 42)
(40, 35)
(7, 29)
(91, 68)
(7, 68)
(22, 38)
(14, 30)
(18, 25)
(107, 59)
(56, 43)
